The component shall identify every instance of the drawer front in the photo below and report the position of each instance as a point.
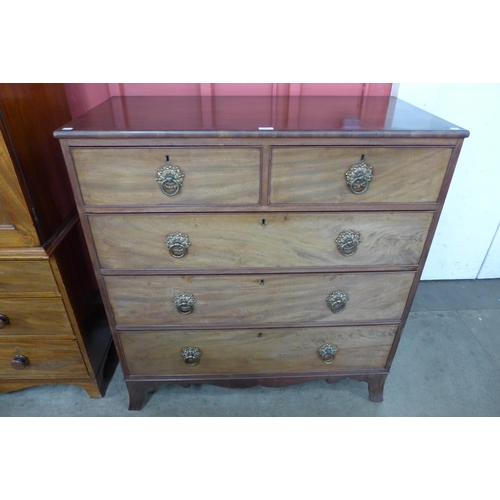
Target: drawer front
(265, 299)
(258, 240)
(227, 352)
(127, 176)
(48, 359)
(318, 174)
(22, 276)
(35, 317)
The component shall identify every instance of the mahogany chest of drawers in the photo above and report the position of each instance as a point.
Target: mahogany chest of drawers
(252, 240)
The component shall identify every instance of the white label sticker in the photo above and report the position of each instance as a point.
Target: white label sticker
(266, 128)
(67, 128)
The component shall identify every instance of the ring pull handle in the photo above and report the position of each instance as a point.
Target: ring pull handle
(337, 301)
(184, 302)
(20, 362)
(177, 244)
(4, 321)
(191, 355)
(358, 177)
(170, 179)
(347, 242)
(327, 353)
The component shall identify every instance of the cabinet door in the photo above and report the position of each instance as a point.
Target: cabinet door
(16, 226)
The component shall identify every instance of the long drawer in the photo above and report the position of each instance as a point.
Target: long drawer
(258, 240)
(225, 352)
(128, 176)
(42, 358)
(318, 174)
(40, 316)
(266, 299)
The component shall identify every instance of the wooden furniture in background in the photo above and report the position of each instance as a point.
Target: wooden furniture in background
(53, 327)
(258, 240)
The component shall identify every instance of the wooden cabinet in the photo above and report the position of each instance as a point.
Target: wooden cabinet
(243, 241)
(53, 327)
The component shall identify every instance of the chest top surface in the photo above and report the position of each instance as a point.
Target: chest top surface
(256, 116)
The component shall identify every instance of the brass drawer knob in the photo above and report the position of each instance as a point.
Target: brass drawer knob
(191, 355)
(359, 177)
(170, 179)
(184, 302)
(327, 353)
(177, 244)
(336, 301)
(19, 362)
(347, 242)
(4, 321)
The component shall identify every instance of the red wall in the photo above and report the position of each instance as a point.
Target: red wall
(83, 96)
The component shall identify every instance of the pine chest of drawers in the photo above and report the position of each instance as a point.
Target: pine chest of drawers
(243, 241)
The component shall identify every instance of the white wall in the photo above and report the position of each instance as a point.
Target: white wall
(467, 240)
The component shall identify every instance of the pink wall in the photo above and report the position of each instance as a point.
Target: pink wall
(83, 96)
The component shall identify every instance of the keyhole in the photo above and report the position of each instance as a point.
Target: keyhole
(261, 282)
(263, 222)
(362, 157)
(260, 335)
(167, 158)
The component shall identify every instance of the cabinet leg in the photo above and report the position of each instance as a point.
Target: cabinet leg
(376, 387)
(137, 393)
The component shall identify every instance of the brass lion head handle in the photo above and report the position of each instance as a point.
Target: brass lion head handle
(347, 242)
(170, 179)
(191, 355)
(184, 302)
(336, 301)
(358, 177)
(177, 244)
(327, 353)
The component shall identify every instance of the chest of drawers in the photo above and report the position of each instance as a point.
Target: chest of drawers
(53, 327)
(245, 241)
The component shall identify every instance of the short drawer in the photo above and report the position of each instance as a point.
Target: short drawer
(43, 358)
(265, 299)
(266, 351)
(128, 176)
(22, 276)
(262, 240)
(34, 317)
(318, 174)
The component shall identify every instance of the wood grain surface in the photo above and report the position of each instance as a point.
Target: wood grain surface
(258, 240)
(30, 316)
(16, 226)
(31, 112)
(256, 351)
(267, 299)
(48, 359)
(317, 174)
(127, 176)
(33, 277)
